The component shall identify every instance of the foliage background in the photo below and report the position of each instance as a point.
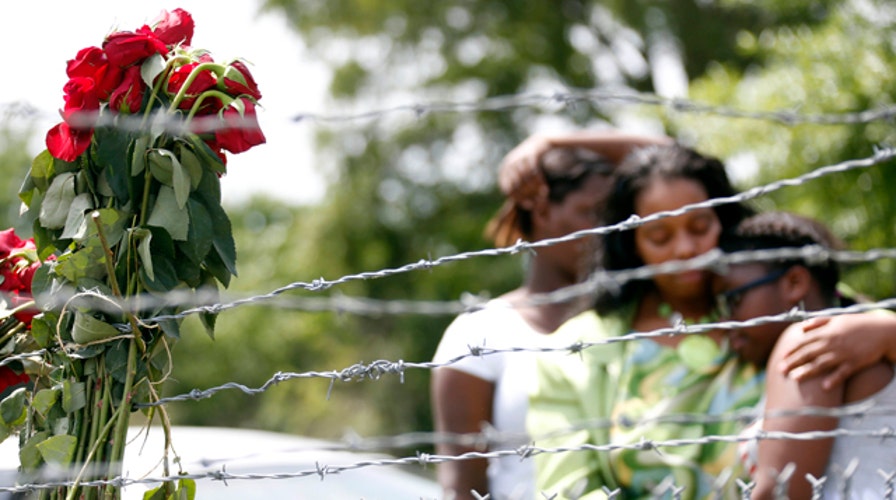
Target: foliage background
(403, 188)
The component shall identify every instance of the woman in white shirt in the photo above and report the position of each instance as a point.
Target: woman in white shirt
(475, 392)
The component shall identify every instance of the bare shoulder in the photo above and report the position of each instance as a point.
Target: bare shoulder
(791, 337)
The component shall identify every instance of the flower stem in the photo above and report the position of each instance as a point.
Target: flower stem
(189, 81)
(123, 413)
(157, 86)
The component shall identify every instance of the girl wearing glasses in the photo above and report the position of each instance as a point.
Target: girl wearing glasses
(656, 389)
(767, 288)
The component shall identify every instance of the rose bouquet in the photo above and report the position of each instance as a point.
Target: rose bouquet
(126, 210)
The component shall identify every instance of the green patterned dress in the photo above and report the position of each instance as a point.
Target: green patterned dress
(644, 389)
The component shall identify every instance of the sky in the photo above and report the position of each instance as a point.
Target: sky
(41, 35)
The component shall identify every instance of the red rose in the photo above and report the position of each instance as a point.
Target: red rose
(241, 130)
(124, 48)
(92, 63)
(9, 378)
(81, 103)
(175, 27)
(26, 315)
(17, 272)
(238, 81)
(9, 241)
(66, 143)
(128, 97)
(204, 80)
(16, 269)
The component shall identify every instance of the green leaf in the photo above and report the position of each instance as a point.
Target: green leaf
(86, 262)
(12, 408)
(217, 268)
(41, 170)
(157, 493)
(90, 329)
(112, 222)
(76, 222)
(189, 160)
(160, 165)
(152, 67)
(58, 450)
(44, 399)
(201, 233)
(186, 269)
(54, 209)
(112, 146)
(138, 155)
(163, 255)
(209, 193)
(205, 154)
(186, 489)
(74, 396)
(166, 214)
(26, 191)
(144, 250)
(42, 283)
(208, 321)
(29, 456)
(165, 278)
(43, 329)
(181, 182)
(171, 328)
(117, 361)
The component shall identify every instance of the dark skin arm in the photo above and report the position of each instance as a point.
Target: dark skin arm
(520, 178)
(828, 347)
(810, 457)
(461, 404)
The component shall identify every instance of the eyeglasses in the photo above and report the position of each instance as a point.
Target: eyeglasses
(729, 300)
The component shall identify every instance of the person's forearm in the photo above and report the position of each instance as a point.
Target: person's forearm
(612, 144)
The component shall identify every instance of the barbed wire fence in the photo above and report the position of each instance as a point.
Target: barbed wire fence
(489, 438)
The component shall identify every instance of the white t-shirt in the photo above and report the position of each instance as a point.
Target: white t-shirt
(499, 326)
(872, 453)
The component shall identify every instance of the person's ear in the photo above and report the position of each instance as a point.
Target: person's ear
(796, 284)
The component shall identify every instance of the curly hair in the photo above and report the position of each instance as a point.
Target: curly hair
(636, 173)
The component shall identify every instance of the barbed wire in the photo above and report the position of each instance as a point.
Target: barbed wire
(880, 155)
(489, 436)
(377, 369)
(714, 260)
(568, 97)
(573, 96)
(523, 452)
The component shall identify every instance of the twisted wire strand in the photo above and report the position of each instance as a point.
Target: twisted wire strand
(377, 369)
(714, 260)
(524, 452)
(880, 155)
(568, 97)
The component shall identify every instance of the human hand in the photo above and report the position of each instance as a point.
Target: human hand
(829, 347)
(519, 175)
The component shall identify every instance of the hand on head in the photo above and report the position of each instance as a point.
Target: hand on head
(520, 177)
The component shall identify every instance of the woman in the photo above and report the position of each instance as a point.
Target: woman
(490, 390)
(766, 288)
(649, 384)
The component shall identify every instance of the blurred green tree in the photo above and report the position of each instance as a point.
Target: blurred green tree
(405, 186)
(16, 129)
